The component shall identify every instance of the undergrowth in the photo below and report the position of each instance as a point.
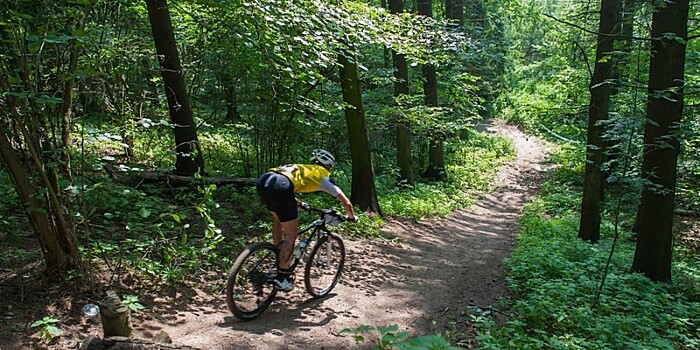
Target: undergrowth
(474, 164)
(553, 277)
(165, 234)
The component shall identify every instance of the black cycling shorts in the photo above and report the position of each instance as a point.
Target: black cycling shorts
(277, 194)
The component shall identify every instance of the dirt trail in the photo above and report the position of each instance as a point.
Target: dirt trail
(439, 269)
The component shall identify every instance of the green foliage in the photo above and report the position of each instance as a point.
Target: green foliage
(165, 241)
(366, 226)
(553, 277)
(473, 164)
(132, 302)
(390, 337)
(48, 328)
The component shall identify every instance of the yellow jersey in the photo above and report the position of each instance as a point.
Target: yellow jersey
(308, 178)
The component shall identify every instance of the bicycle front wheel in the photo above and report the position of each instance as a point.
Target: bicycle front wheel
(249, 289)
(325, 265)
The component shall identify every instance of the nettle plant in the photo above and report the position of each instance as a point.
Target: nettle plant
(390, 337)
(48, 328)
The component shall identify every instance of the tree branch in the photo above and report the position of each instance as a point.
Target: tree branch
(616, 36)
(585, 58)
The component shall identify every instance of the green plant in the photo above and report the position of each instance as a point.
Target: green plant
(474, 165)
(388, 338)
(132, 302)
(47, 328)
(553, 277)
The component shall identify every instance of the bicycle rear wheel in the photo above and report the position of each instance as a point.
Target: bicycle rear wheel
(325, 265)
(249, 288)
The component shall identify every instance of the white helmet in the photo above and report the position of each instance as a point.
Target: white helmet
(322, 157)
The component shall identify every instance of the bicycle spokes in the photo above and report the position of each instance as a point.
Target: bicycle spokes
(325, 265)
(249, 290)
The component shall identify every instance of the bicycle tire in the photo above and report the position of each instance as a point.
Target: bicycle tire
(324, 265)
(248, 291)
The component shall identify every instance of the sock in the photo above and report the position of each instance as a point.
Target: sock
(282, 274)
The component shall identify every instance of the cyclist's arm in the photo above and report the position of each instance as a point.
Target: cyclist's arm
(343, 199)
(329, 187)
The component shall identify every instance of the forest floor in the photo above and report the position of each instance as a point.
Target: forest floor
(426, 280)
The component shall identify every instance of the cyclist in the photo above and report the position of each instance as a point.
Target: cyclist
(276, 189)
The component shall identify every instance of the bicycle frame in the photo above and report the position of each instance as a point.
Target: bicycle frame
(318, 228)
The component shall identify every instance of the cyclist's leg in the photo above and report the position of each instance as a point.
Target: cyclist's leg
(289, 232)
(283, 281)
(269, 186)
(277, 194)
(285, 215)
(276, 229)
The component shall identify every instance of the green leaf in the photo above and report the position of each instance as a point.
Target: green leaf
(392, 328)
(145, 213)
(54, 331)
(57, 39)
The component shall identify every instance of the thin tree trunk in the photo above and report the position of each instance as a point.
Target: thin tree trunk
(187, 148)
(458, 13)
(403, 131)
(669, 31)
(364, 193)
(600, 87)
(454, 10)
(629, 11)
(386, 50)
(436, 156)
(54, 256)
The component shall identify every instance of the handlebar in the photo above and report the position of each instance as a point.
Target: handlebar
(331, 216)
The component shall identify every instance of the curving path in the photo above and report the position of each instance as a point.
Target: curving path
(426, 283)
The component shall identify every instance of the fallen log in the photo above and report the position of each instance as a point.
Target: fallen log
(136, 178)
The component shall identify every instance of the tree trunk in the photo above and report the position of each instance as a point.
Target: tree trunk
(458, 13)
(54, 256)
(187, 149)
(33, 137)
(403, 130)
(364, 193)
(629, 11)
(454, 11)
(449, 8)
(600, 88)
(58, 244)
(386, 51)
(436, 157)
(475, 13)
(669, 31)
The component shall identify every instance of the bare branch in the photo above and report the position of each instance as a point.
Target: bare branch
(616, 36)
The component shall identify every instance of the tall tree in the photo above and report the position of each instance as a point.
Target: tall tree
(188, 153)
(629, 10)
(669, 33)
(364, 192)
(436, 156)
(475, 13)
(403, 130)
(600, 88)
(454, 10)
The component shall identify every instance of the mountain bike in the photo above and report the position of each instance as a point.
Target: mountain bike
(250, 286)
